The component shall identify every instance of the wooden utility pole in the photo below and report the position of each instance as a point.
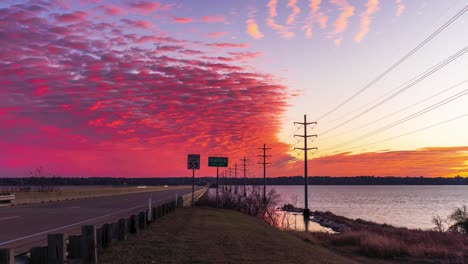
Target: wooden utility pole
(306, 149)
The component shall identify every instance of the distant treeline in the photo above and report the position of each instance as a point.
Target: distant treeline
(297, 180)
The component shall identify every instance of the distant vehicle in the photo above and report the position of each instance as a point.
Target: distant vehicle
(142, 187)
(165, 186)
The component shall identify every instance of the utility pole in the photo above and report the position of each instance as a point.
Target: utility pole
(245, 175)
(306, 149)
(264, 156)
(230, 183)
(235, 177)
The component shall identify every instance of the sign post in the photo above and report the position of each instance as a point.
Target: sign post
(217, 162)
(193, 163)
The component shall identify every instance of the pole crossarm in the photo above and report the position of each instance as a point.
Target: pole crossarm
(303, 136)
(305, 123)
(315, 148)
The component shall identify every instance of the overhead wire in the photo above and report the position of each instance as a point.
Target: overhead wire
(403, 120)
(415, 81)
(405, 108)
(408, 133)
(400, 61)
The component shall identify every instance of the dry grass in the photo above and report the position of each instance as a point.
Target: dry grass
(69, 194)
(207, 235)
(387, 242)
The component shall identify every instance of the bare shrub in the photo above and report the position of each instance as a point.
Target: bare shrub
(252, 203)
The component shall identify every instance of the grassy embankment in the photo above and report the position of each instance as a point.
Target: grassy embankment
(386, 242)
(207, 235)
(79, 193)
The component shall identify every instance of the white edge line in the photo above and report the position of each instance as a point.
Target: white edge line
(70, 225)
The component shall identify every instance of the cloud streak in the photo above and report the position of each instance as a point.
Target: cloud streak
(372, 6)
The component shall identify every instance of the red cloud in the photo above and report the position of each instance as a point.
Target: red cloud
(113, 106)
(213, 19)
(148, 7)
(182, 20)
(217, 34)
(77, 16)
(228, 45)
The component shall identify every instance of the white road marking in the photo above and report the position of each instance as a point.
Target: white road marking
(70, 225)
(9, 217)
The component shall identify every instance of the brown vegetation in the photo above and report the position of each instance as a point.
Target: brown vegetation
(387, 242)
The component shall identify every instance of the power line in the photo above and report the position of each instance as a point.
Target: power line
(409, 133)
(405, 108)
(405, 119)
(404, 88)
(400, 61)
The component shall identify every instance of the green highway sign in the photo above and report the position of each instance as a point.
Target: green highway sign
(217, 161)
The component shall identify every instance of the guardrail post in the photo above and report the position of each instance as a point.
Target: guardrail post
(115, 232)
(99, 239)
(106, 236)
(39, 255)
(154, 211)
(7, 256)
(142, 220)
(75, 247)
(133, 224)
(122, 229)
(89, 252)
(57, 250)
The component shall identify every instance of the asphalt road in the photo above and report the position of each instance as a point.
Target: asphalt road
(26, 226)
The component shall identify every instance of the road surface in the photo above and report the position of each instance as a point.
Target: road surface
(26, 226)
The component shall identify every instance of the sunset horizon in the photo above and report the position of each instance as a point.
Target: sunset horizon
(103, 88)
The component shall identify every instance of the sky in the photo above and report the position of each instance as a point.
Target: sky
(129, 88)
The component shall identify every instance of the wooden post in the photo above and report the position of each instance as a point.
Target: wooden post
(99, 238)
(122, 229)
(56, 253)
(7, 256)
(39, 255)
(89, 254)
(115, 232)
(75, 247)
(155, 213)
(133, 224)
(106, 236)
(142, 220)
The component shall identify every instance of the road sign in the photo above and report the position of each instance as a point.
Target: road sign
(193, 162)
(217, 161)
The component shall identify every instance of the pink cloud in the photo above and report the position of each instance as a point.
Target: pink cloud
(217, 34)
(295, 11)
(148, 7)
(77, 16)
(111, 10)
(213, 19)
(372, 6)
(253, 30)
(182, 20)
(283, 31)
(114, 104)
(400, 7)
(228, 45)
(347, 11)
(315, 16)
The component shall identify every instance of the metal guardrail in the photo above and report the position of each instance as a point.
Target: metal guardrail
(93, 240)
(7, 200)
